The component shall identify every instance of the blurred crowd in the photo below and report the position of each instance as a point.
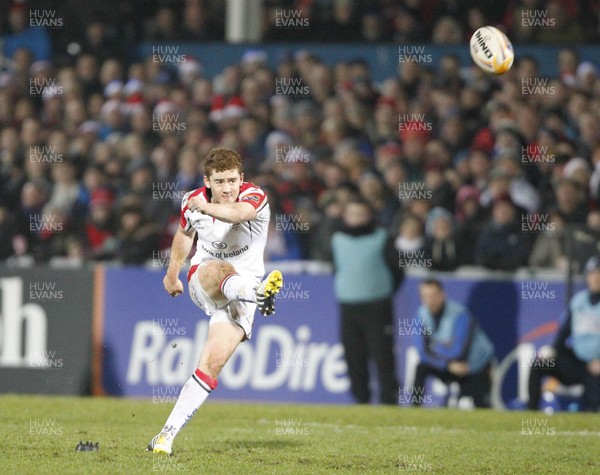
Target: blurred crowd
(112, 28)
(460, 168)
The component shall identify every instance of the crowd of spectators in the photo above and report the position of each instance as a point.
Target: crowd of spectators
(113, 27)
(96, 151)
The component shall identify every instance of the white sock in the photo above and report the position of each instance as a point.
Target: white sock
(236, 287)
(192, 396)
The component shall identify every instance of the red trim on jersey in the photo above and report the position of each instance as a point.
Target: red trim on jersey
(191, 271)
(182, 219)
(255, 198)
(211, 382)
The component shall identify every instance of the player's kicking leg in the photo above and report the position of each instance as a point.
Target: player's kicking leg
(233, 286)
(219, 283)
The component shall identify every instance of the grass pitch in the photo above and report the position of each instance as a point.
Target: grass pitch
(39, 435)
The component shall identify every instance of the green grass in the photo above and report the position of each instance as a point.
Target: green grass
(39, 435)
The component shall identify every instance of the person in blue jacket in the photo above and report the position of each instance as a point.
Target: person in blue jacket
(366, 277)
(574, 357)
(451, 345)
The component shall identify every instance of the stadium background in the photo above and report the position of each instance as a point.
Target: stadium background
(106, 113)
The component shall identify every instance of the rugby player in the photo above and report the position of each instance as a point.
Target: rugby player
(230, 217)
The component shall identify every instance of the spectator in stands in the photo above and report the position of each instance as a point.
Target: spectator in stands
(549, 248)
(447, 31)
(411, 235)
(502, 244)
(100, 223)
(162, 27)
(574, 357)
(565, 29)
(442, 247)
(570, 201)
(137, 237)
(23, 35)
(470, 218)
(452, 346)
(361, 248)
(8, 231)
(383, 203)
(344, 25)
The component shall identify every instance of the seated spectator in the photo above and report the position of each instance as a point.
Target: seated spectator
(470, 217)
(100, 223)
(549, 248)
(411, 235)
(8, 231)
(22, 35)
(452, 346)
(441, 244)
(502, 245)
(570, 201)
(137, 237)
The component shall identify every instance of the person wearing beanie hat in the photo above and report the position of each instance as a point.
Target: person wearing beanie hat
(441, 244)
(574, 356)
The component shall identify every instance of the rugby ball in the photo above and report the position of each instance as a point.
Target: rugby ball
(491, 50)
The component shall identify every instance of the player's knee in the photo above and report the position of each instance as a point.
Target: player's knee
(211, 273)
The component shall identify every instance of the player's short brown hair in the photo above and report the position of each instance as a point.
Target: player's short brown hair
(221, 159)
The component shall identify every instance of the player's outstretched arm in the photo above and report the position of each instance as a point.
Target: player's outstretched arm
(228, 212)
(182, 244)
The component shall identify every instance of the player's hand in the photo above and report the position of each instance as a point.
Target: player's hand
(593, 367)
(459, 368)
(174, 287)
(197, 204)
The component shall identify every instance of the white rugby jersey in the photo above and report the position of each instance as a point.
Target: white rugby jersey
(241, 244)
